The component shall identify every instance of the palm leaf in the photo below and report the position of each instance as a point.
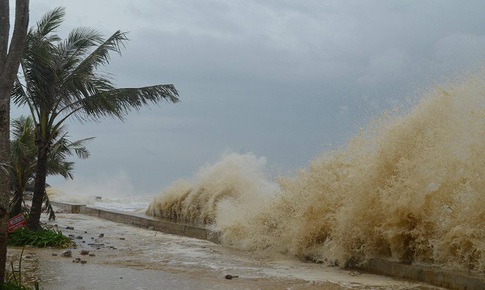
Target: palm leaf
(50, 21)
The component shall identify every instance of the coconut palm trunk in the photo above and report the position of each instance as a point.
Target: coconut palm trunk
(33, 222)
(42, 142)
(16, 203)
(4, 178)
(16, 206)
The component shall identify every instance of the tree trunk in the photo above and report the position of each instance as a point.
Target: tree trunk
(18, 195)
(4, 179)
(33, 223)
(10, 56)
(16, 204)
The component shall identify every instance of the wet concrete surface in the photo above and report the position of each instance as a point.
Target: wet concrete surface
(115, 256)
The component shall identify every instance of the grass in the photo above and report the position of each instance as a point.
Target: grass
(9, 285)
(13, 279)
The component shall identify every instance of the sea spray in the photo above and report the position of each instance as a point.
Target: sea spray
(115, 192)
(236, 178)
(408, 188)
(58, 195)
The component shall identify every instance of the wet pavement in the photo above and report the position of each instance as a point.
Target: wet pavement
(116, 256)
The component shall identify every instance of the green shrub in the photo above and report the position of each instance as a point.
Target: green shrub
(41, 239)
(15, 286)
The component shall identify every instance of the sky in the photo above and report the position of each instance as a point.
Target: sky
(284, 80)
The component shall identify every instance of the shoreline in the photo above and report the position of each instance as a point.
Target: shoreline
(427, 274)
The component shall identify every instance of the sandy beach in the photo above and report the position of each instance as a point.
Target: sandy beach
(116, 256)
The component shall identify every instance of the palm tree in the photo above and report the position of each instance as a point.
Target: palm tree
(61, 81)
(23, 159)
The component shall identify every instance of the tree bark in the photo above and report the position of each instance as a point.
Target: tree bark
(10, 56)
(4, 179)
(18, 198)
(18, 195)
(33, 222)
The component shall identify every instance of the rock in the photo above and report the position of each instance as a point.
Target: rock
(67, 253)
(96, 245)
(354, 273)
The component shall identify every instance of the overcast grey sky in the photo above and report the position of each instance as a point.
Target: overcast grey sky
(284, 79)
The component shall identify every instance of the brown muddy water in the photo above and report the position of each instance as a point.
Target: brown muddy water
(410, 187)
(125, 257)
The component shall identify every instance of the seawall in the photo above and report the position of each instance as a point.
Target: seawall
(431, 275)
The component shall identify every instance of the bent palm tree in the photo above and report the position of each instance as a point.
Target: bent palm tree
(23, 159)
(61, 81)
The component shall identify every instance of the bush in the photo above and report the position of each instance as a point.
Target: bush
(41, 239)
(15, 286)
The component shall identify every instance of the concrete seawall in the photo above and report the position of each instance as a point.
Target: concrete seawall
(430, 275)
(141, 221)
(434, 276)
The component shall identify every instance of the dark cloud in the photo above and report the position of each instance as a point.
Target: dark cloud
(282, 79)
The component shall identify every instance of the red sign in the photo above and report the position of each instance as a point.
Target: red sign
(16, 222)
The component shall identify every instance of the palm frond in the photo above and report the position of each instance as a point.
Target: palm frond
(80, 149)
(19, 95)
(99, 56)
(79, 42)
(50, 21)
(23, 152)
(119, 102)
(48, 207)
(64, 168)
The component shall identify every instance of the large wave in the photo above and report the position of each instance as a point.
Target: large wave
(410, 188)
